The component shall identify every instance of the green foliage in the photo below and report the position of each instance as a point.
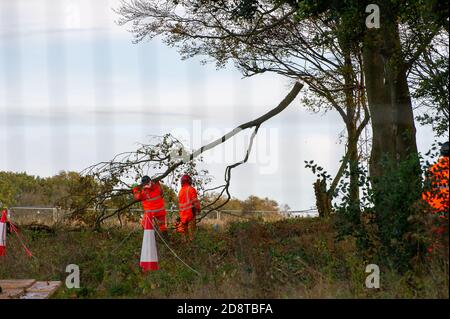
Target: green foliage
(394, 198)
(20, 189)
(432, 92)
(388, 221)
(318, 170)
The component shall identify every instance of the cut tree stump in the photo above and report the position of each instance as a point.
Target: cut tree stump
(323, 201)
(28, 289)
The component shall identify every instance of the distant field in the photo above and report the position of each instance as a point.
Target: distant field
(291, 258)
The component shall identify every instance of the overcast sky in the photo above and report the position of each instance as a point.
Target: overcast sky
(74, 90)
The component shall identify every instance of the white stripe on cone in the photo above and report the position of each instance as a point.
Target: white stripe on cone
(3, 233)
(149, 254)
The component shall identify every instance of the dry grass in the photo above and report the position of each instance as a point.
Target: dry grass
(283, 259)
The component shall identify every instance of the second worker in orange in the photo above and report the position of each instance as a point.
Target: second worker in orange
(189, 207)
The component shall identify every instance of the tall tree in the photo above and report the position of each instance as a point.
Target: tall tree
(281, 37)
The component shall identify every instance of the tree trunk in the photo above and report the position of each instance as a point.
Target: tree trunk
(404, 127)
(351, 123)
(353, 162)
(388, 97)
(380, 108)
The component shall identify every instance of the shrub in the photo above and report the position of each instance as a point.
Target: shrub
(389, 221)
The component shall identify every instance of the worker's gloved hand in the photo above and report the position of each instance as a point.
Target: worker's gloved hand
(134, 185)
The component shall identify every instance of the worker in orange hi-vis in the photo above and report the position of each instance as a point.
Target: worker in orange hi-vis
(151, 195)
(189, 207)
(436, 194)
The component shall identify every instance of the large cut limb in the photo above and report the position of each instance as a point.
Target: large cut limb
(254, 123)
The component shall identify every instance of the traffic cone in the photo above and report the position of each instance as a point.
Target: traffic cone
(3, 233)
(149, 254)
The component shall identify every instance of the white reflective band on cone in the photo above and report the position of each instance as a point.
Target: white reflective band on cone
(2, 238)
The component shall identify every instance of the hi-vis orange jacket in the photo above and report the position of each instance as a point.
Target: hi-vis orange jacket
(151, 197)
(187, 199)
(437, 197)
